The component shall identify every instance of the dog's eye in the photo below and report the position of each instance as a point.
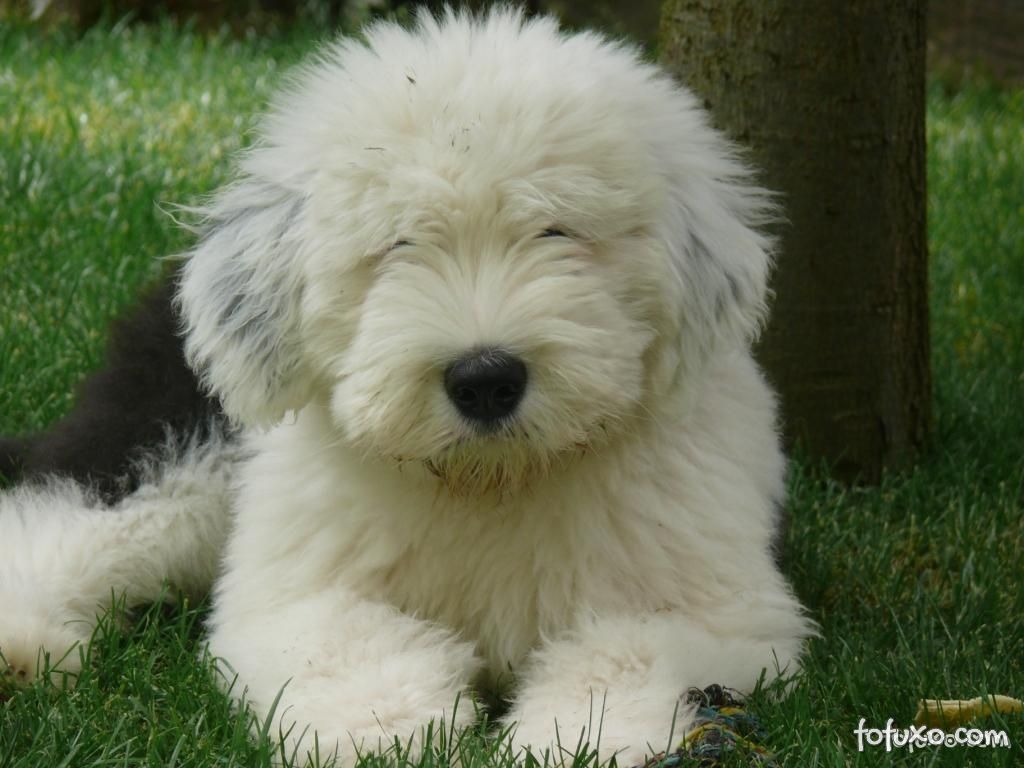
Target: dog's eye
(552, 232)
(380, 254)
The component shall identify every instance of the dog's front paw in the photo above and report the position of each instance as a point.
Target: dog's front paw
(385, 726)
(411, 736)
(556, 736)
(343, 709)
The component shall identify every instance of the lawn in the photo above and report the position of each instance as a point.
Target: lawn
(917, 584)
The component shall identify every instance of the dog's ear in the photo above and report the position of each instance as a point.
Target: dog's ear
(239, 296)
(720, 252)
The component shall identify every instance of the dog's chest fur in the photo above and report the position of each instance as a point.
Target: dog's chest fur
(498, 574)
(613, 533)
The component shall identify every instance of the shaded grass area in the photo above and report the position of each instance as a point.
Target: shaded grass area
(917, 583)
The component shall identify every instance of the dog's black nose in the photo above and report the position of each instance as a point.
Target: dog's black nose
(486, 386)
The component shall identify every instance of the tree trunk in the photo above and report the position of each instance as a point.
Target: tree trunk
(829, 94)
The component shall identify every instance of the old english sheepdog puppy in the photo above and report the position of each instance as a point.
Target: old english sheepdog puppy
(478, 309)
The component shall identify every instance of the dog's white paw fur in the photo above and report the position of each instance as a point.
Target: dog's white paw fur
(359, 675)
(613, 685)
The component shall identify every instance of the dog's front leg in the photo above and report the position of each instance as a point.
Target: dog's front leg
(352, 675)
(617, 684)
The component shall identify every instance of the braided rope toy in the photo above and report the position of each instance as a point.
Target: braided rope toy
(721, 728)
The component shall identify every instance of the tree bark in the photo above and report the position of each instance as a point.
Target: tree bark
(829, 94)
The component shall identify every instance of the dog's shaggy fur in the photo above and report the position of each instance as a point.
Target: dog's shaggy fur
(472, 184)
(123, 411)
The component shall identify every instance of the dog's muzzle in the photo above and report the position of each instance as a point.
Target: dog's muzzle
(486, 385)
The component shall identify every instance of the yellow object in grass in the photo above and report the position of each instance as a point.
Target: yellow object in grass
(938, 713)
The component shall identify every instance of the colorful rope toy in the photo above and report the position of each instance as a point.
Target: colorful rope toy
(721, 727)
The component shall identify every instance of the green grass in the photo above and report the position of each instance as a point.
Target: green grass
(917, 583)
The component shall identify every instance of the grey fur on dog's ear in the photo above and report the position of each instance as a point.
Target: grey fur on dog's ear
(713, 222)
(239, 297)
(715, 234)
(726, 263)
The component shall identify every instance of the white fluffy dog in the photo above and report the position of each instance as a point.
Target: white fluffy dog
(483, 296)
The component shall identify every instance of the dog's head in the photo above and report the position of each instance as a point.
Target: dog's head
(484, 243)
